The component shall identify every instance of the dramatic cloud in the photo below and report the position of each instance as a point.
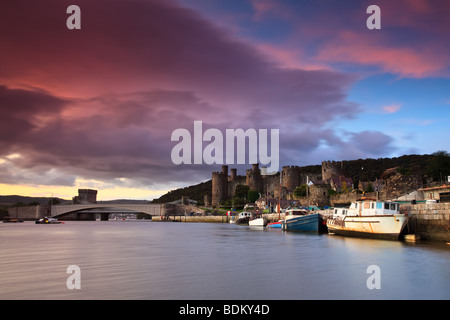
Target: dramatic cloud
(101, 103)
(352, 48)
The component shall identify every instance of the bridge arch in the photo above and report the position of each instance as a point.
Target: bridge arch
(150, 209)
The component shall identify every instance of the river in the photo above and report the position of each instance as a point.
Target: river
(196, 261)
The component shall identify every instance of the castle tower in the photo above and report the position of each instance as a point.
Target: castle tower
(219, 186)
(330, 169)
(290, 179)
(233, 174)
(254, 178)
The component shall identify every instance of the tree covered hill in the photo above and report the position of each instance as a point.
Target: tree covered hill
(195, 192)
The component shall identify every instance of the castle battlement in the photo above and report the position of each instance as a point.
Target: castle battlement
(331, 169)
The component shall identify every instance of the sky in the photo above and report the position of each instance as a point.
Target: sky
(96, 107)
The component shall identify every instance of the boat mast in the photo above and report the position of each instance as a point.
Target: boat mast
(279, 199)
(307, 189)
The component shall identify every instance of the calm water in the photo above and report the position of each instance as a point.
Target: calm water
(151, 260)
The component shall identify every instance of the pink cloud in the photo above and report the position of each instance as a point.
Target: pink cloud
(289, 57)
(393, 108)
(264, 8)
(351, 47)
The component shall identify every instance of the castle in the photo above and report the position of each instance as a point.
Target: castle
(224, 185)
(330, 187)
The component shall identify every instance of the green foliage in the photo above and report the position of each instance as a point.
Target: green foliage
(332, 192)
(436, 166)
(345, 188)
(195, 192)
(439, 166)
(252, 196)
(300, 191)
(369, 188)
(404, 171)
(241, 191)
(240, 195)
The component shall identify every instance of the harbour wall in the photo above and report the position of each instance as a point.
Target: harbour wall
(430, 221)
(182, 218)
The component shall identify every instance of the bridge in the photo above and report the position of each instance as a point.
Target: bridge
(88, 211)
(64, 209)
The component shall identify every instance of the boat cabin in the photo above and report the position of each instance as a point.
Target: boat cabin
(340, 212)
(368, 207)
(245, 214)
(296, 212)
(372, 207)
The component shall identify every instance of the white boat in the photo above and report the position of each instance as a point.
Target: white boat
(368, 217)
(244, 218)
(259, 222)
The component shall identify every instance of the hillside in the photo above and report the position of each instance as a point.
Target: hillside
(371, 169)
(195, 192)
(23, 200)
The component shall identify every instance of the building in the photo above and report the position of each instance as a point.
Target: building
(85, 196)
(224, 185)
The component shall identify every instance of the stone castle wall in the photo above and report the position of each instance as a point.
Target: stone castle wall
(219, 186)
(224, 186)
(331, 168)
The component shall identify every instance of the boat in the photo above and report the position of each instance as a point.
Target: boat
(296, 212)
(258, 222)
(47, 220)
(276, 224)
(309, 222)
(369, 218)
(289, 214)
(11, 220)
(243, 218)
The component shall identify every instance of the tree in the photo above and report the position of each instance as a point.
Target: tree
(345, 188)
(241, 191)
(252, 196)
(300, 191)
(439, 165)
(369, 188)
(240, 194)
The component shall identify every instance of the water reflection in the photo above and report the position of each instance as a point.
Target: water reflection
(145, 260)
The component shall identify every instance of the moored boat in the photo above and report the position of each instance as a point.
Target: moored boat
(47, 220)
(259, 222)
(244, 218)
(11, 220)
(311, 222)
(276, 224)
(370, 218)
